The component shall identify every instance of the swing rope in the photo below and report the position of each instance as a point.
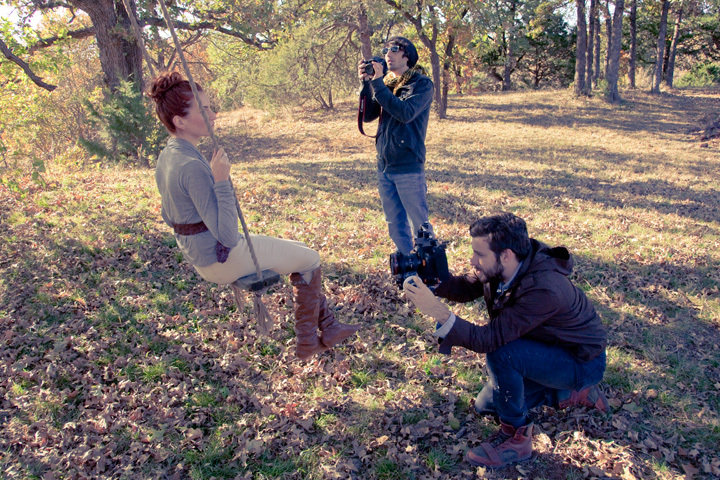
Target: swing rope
(260, 282)
(138, 36)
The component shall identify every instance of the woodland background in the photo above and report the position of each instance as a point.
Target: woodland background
(116, 361)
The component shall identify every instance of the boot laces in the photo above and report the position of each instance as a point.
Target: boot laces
(498, 438)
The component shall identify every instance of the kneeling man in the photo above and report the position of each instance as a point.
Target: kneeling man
(545, 344)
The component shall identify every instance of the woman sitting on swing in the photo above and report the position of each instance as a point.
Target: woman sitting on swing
(199, 203)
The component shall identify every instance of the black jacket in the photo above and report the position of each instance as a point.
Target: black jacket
(541, 304)
(400, 141)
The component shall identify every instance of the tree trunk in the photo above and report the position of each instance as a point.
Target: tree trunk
(580, 48)
(442, 107)
(435, 65)
(509, 49)
(614, 53)
(364, 32)
(673, 49)
(633, 43)
(597, 48)
(447, 66)
(660, 50)
(120, 55)
(507, 67)
(590, 46)
(458, 77)
(608, 33)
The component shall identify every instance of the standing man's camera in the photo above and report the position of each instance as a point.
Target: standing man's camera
(427, 260)
(369, 65)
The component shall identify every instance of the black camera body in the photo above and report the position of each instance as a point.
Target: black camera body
(369, 66)
(427, 260)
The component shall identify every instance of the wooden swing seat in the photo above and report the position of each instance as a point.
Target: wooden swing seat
(252, 283)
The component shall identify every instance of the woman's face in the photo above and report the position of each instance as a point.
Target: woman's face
(191, 127)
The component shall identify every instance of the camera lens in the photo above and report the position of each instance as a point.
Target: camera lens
(369, 69)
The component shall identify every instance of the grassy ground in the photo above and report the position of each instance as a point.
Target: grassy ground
(116, 361)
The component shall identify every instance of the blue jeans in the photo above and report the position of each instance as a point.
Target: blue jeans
(404, 197)
(525, 374)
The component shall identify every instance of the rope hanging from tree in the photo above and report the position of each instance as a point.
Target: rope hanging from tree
(261, 280)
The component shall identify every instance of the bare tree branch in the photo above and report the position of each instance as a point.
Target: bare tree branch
(45, 4)
(253, 42)
(46, 42)
(26, 68)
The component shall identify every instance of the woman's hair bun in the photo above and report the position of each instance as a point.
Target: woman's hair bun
(163, 83)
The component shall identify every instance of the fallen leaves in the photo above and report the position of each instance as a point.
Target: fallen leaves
(117, 361)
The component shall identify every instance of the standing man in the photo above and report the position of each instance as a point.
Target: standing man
(402, 101)
(545, 344)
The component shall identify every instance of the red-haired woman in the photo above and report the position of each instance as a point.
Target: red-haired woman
(198, 202)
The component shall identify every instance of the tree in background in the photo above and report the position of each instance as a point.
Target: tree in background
(596, 57)
(660, 50)
(549, 60)
(38, 125)
(309, 63)
(633, 43)
(434, 23)
(264, 51)
(580, 48)
(613, 71)
(608, 35)
(669, 70)
(592, 15)
(120, 56)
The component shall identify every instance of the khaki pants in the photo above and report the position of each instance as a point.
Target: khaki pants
(276, 254)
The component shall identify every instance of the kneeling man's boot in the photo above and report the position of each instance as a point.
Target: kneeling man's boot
(509, 445)
(591, 397)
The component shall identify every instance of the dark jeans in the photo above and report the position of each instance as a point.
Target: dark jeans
(525, 374)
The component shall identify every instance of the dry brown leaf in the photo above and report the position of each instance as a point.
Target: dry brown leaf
(690, 470)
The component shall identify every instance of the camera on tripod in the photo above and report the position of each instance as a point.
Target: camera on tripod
(427, 260)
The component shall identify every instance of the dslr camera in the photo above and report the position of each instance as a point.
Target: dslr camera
(427, 260)
(369, 66)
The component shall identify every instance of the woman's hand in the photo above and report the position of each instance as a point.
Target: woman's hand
(220, 165)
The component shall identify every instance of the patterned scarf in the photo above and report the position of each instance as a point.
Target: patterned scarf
(395, 83)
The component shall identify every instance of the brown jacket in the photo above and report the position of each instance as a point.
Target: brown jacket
(541, 304)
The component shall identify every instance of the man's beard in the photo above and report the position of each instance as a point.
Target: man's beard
(494, 274)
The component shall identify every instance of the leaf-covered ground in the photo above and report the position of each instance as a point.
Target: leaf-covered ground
(116, 361)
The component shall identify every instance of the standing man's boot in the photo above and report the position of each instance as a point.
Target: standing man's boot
(307, 306)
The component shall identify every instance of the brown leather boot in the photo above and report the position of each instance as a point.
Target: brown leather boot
(591, 397)
(333, 332)
(307, 307)
(508, 445)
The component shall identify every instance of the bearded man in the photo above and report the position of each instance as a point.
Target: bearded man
(544, 342)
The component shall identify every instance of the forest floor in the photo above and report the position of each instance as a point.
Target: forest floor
(117, 361)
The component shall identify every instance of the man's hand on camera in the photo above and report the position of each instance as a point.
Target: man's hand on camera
(377, 68)
(361, 71)
(425, 300)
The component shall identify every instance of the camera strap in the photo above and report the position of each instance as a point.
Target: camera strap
(361, 113)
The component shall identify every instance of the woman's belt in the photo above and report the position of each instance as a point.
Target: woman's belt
(221, 251)
(190, 228)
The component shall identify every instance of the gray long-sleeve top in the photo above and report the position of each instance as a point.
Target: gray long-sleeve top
(191, 195)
